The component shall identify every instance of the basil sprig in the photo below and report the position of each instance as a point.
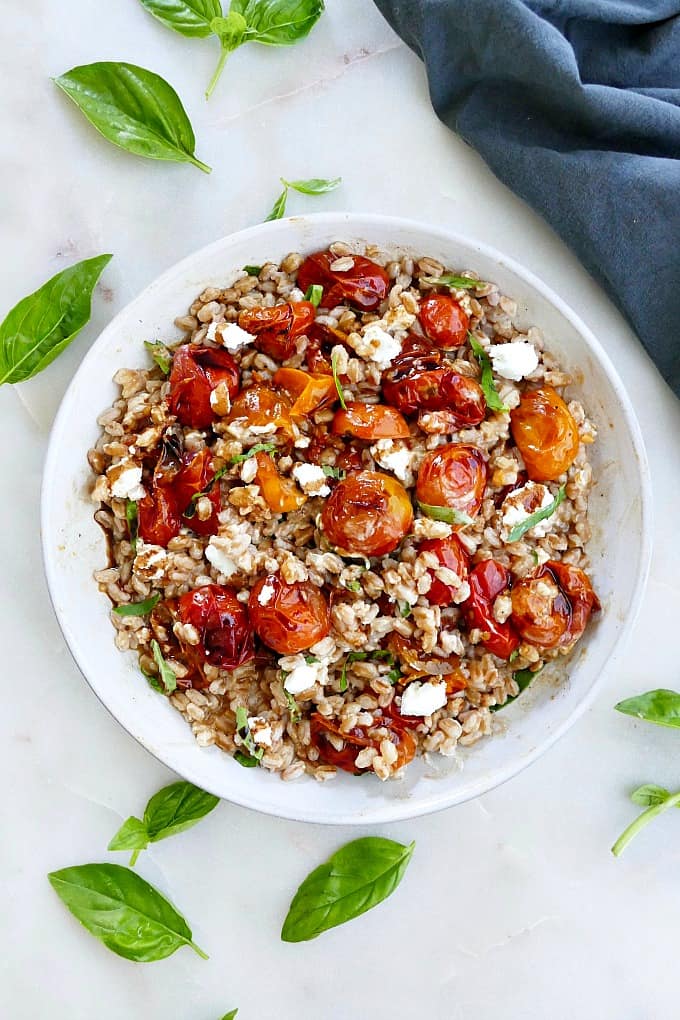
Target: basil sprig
(137, 608)
(521, 529)
(313, 186)
(452, 281)
(661, 707)
(355, 879)
(132, 518)
(254, 752)
(522, 678)
(134, 108)
(445, 513)
(314, 294)
(491, 395)
(160, 354)
(167, 676)
(173, 809)
(45, 322)
(127, 914)
(336, 380)
(657, 807)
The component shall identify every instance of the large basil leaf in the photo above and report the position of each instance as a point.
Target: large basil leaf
(356, 878)
(41, 325)
(123, 911)
(133, 108)
(278, 22)
(661, 707)
(188, 17)
(173, 809)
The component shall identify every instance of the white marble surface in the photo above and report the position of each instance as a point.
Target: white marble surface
(513, 905)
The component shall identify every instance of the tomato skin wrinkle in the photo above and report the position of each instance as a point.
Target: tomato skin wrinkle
(196, 372)
(367, 513)
(363, 286)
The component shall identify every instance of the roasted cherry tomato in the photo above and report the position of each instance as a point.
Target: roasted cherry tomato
(552, 607)
(451, 554)
(222, 624)
(444, 321)
(177, 478)
(276, 329)
(260, 406)
(196, 371)
(364, 285)
(487, 581)
(360, 737)
(419, 379)
(369, 422)
(306, 391)
(453, 476)
(350, 459)
(545, 432)
(288, 617)
(279, 493)
(158, 516)
(321, 340)
(367, 513)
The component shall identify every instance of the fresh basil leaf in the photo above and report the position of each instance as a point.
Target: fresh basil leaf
(649, 795)
(314, 294)
(378, 654)
(278, 22)
(188, 17)
(168, 678)
(132, 835)
(445, 513)
(231, 1015)
(153, 681)
(313, 186)
(176, 808)
(127, 914)
(134, 108)
(132, 518)
(160, 354)
(336, 380)
(293, 707)
(279, 207)
(661, 707)
(253, 270)
(257, 448)
(452, 281)
(45, 322)
(333, 472)
(673, 800)
(246, 760)
(394, 676)
(137, 608)
(493, 400)
(521, 529)
(356, 878)
(231, 32)
(310, 659)
(522, 678)
(243, 730)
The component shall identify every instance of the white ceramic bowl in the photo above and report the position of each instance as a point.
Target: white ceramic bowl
(74, 545)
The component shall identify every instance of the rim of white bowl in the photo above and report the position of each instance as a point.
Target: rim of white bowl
(396, 810)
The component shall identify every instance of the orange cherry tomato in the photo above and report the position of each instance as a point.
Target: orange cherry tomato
(444, 321)
(280, 494)
(487, 581)
(226, 636)
(552, 607)
(365, 285)
(396, 732)
(367, 513)
(451, 554)
(196, 371)
(453, 476)
(288, 617)
(545, 432)
(277, 328)
(259, 405)
(369, 421)
(307, 392)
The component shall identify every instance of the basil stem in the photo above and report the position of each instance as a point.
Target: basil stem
(445, 513)
(642, 820)
(172, 810)
(168, 678)
(336, 380)
(138, 608)
(452, 281)
(521, 529)
(491, 395)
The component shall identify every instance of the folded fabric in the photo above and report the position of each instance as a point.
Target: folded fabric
(575, 105)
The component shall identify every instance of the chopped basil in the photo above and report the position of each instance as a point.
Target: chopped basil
(252, 270)
(333, 472)
(405, 609)
(160, 354)
(493, 400)
(311, 659)
(514, 655)
(521, 529)
(314, 294)
(522, 678)
(445, 513)
(353, 586)
(138, 608)
(243, 730)
(394, 675)
(338, 384)
(257, 448)
(452, 281)
(133, 523)
(246, 760)
(293, 707)
(191, 509)
(379, 653)
(168, 678)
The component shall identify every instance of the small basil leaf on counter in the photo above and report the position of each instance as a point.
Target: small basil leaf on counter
(445, 513)
(176, 808)
(122, 910)
(137, 608)
(521, 529)
(160, 354)
(252, 270)
(132, 518)
(336, 380)
(522, 678)
(188, 17)
(231, 1015)
(648, 795)
(487, 382)
(279, 208)
(168, 678)
(134, 108)
(452, 281)
(132, 835)
(314, 186)
(278, 22)
(356, 878)
(45, 322)
(314, 294)
(657, 808)
(661, 707)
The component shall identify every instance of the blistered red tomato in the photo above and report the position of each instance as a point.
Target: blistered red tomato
(321, 340)
(259, 406)
(488, 580)
(391, 728)
(367, 513)
(453, 476)
(277, 328)
(226, 636)
(369, 422)
(364, 284)
(288, 617)
(420, 379)
(545, 432)
(306, 391)
(196, 371)
(552, 607)
(451, 554)
(177, 478)
(158, 516)
(444, 321)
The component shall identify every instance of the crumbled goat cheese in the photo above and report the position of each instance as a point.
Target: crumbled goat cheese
(216, 554)
(513, 360)
(231, 336)
(260, 730)
(305, 676)
(522, 503)
(311, 479)
(125, 479)
(266, 595)
(423, 698)
(395, 458)
(375, 344)
(150, 561)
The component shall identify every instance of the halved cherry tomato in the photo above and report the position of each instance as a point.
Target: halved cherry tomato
(158, 516)
(397, 733)
(306, 392)
(438, 390)
(260, 406)
(369, 422)
(545, 432)
(196, 371)
(552, 607)
(288, 617)
(280, 494)
(444, 321)
(453, 476)
(276, 329)
(196, 475)
(321, 340)
(364, 285)
(222, 623)
(367, 513)
(409, 653)
(487, 581)
(451, 554)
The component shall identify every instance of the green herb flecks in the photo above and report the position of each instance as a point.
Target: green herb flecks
(252, 270)
(132, 518)
(243, 730)
(380, 654)
(336, 380)
(314, 294)
(293, 707)
(541, 515)
(445, 513)
(168, 678)
(138, 608)
(487, 382)
(257, 448)
(191, 509)
(452, 281)
(522, 678)
(333, 472)
(160, 354)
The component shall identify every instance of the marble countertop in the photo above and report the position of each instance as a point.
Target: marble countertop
(513, 905)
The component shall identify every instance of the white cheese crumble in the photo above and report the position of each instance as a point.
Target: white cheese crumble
(423, 698)
(125, 479)
(231, 335)
(150, 561)
(304, 676)
(311, 479)
(513, 360)
(216, 554)
(395, 458)
(260, 730)
(266, 595)
(525, 501)
(375, 344)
